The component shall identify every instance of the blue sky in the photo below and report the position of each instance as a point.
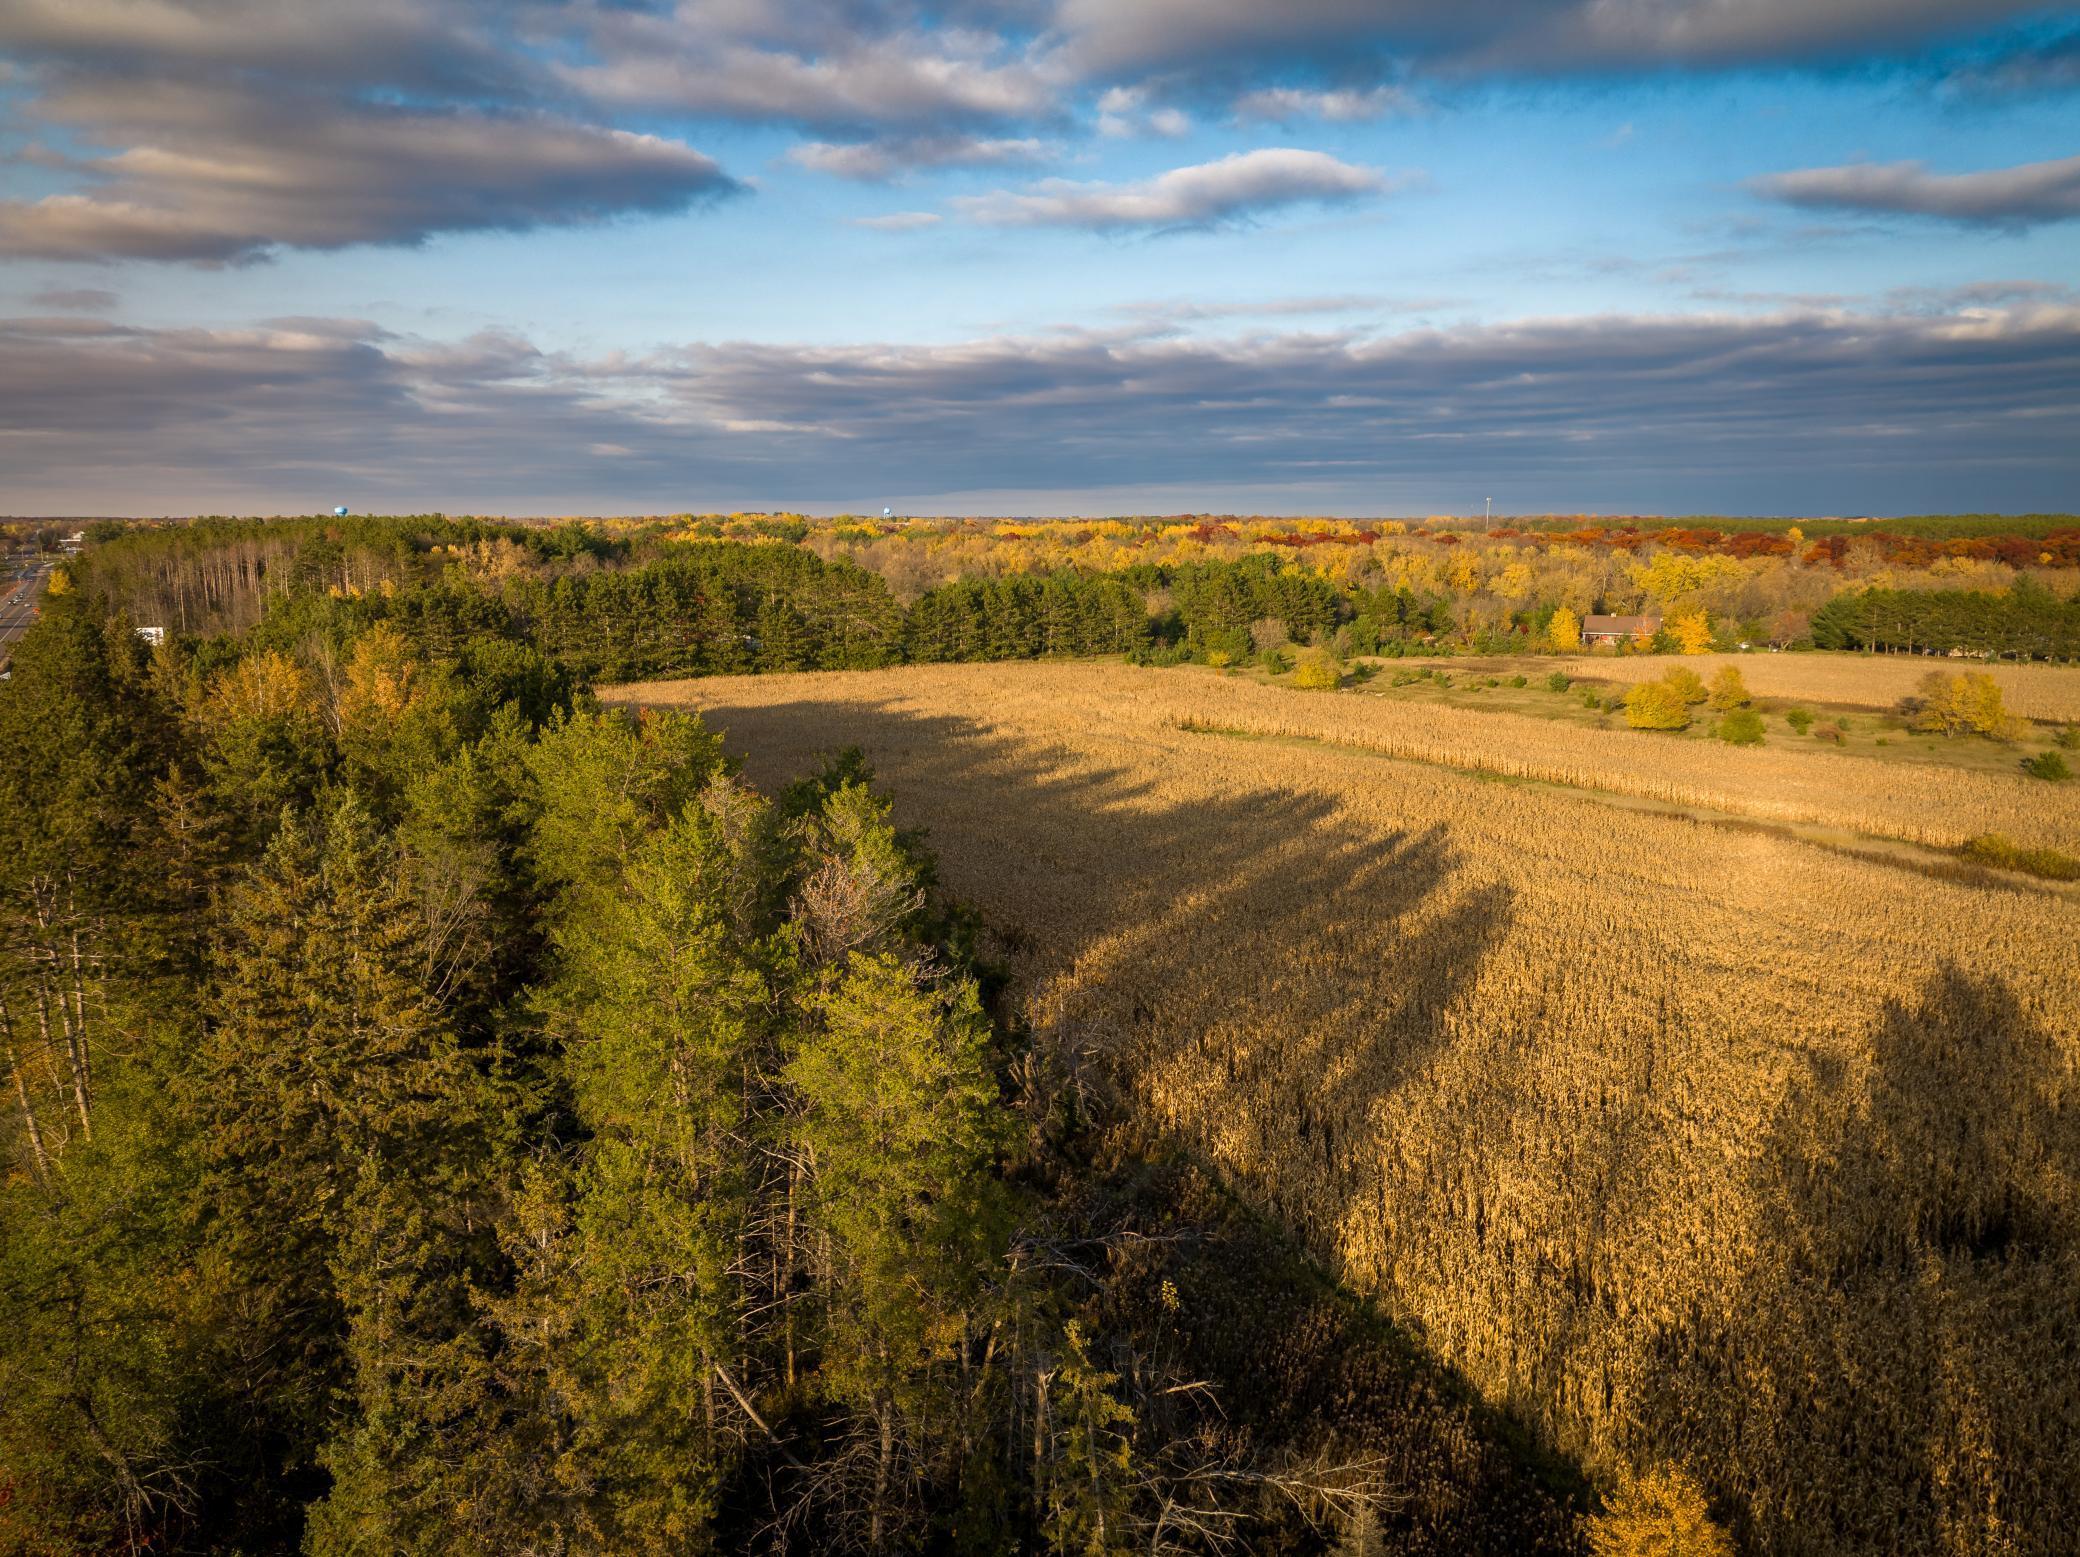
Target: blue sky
(1039, 256)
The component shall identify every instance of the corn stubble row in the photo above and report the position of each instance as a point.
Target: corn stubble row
(1860, 680)
(1684, 1144)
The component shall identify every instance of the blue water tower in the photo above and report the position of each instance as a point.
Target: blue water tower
(340, 512)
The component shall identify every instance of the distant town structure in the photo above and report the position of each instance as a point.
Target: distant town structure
(340, 512)
(1617, 629)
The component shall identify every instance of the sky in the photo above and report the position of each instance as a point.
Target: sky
(1362, 257)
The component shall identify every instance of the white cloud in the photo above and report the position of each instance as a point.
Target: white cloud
(1203, 195)
(881, 160)
(899, 221)
(1285, 104)
(683, 61)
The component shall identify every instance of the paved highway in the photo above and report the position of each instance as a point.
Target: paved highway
(20, 589)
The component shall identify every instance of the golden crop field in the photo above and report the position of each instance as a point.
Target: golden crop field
(1919, 802)
(1859, 680)
(1685, 1143)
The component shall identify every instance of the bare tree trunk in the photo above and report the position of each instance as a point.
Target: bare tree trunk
(21, 1092)
(1040, 1377)
(784, 1295)
(79, 1010)
(744, 1401)
(43, 1022)
(885, 1410)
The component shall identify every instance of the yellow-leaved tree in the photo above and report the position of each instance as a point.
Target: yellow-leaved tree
(1655, 705)
(1564, 632)
(1693, 632)
(1660, 1514)
(1728, 691)
(1967, 704)
(1318, 671)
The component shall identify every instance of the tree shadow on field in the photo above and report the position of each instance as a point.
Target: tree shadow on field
(1262, 970)
(1265, 969)
(1907, 1333)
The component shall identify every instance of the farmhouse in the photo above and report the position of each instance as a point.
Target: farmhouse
(1616, 629)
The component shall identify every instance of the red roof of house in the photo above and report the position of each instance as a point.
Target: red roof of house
(1621, 624)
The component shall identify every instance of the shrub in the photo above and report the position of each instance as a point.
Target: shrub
(1686, 684)
(1558, 681)
(1728, 691)
(1656, 705)
(2004, 853)
(1520, 681)
(1275, 660)
(1800, 719)
(1741, 727)
(2069, 737)
(1661, 1514)
(1268, 633)
(1318, 671)
(2048, 765)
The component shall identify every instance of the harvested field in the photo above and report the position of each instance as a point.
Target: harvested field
(2050, 692)
(1684, 1144)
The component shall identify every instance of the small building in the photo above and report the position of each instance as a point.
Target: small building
(1617, 629)
(152, 634)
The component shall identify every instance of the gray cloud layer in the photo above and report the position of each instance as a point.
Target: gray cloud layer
(2003, 197)
(1534, 36)
(1789, 413)
(218, 129)
(217, 132)
(214, 176)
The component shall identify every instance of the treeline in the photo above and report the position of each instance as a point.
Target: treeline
(620, 608)
(2027, 622)
(219, 575)
(444, 1117)
(718, 609)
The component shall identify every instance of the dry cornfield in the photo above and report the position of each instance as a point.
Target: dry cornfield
(1685, 1143)
(2050, 692)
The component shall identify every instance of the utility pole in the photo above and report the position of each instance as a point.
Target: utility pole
(1488, 519)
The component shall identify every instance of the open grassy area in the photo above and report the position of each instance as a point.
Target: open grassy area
(2048, 693)
(1849, 722)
